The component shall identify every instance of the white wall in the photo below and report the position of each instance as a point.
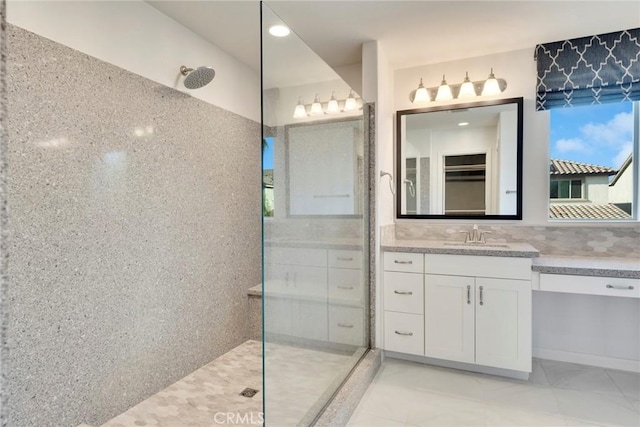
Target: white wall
(622, 191)
(518, 68)
(597, 189)
(139, 38)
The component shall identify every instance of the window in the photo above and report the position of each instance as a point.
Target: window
(267, 177)
(592, 167)
(566, 189)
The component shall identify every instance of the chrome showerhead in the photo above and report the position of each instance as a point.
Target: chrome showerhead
(200, 77)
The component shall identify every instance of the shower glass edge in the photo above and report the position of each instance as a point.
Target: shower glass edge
(315, 292)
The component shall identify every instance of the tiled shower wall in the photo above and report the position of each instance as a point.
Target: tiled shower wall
(135, 217)
(605, 241)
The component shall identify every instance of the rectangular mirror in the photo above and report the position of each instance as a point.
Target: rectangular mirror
(462, 161)
(325, 168)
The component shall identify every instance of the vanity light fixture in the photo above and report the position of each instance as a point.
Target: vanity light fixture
(422, 95)
(491, 86)
(300, 112)
(279, 31)
(463, 124)
(444, 91)
(332, 105)
(465, 90)
(350, 103)
(316, 107)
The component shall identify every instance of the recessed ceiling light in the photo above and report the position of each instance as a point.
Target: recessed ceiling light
(463, 124)
(279, 31)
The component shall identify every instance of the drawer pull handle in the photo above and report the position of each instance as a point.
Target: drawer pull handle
(481, 301)
(403, 292)
(402, 262)
(407, 334)
(625, 288)
(345, 258)
(346, 287)
(468, 294)
(345, 325)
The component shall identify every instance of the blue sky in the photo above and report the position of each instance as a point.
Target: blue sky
(267, 156)
(600, 134)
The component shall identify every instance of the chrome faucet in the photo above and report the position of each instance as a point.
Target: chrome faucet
(475, 236)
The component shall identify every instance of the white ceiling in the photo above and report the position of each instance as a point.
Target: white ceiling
(411, 32)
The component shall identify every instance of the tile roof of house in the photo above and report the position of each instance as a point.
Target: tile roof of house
(586, 211)
(568, 167)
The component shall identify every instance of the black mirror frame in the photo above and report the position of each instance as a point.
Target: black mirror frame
(399, 114)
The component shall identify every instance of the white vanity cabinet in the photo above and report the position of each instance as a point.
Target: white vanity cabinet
(474, 309)
(296, 292)
(480, 312)
(404, 302)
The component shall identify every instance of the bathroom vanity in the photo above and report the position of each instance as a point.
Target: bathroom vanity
(470, 306)
(451, 302)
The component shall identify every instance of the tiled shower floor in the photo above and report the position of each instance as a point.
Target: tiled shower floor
(296, 380)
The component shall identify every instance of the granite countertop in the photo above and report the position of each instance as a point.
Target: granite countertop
(329, 243)
(515, 250)
(588, 266)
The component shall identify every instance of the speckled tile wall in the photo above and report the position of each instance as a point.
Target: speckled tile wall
(618, 242)
(4, 348)
(135, 234)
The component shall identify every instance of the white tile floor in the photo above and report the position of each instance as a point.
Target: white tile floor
(406, 394)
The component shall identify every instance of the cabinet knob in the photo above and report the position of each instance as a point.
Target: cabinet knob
(403, 292)
(402, 262)
(481, 300)
(346, 287)
(408, 334)
(345, 325)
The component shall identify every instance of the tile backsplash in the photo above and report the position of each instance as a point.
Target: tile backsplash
(620, 242)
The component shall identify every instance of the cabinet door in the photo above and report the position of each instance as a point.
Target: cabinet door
(449, 317)
(309, 283)
(503, 323)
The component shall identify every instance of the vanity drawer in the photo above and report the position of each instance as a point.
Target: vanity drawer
(590, 285)
(478, 266)
(404, 333)
(345, 286)
(346, 325)
(404, 292)
(403, 261)
(345, 259)
(296, 256)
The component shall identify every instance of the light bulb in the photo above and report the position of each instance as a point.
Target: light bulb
(422, 94)
(350, 103)
(332, 106)
(316, 107)
(466, 89)
(300, 112)
(491, 86)
(444, 91)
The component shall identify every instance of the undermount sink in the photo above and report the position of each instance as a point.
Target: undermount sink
(475, 245)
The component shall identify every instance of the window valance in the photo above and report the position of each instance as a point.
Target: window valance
(589, 70)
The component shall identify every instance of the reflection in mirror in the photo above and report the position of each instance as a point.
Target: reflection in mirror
(325, 168)
(461, 162)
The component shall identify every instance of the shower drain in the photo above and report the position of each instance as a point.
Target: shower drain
(249, 392)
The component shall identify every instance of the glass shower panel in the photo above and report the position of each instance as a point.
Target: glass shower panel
(315, 293)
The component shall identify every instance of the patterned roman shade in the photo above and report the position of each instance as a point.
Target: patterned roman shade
(589, 70)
